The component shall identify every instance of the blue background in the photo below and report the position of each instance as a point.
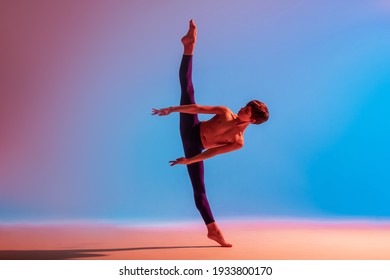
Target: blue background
(77, 140)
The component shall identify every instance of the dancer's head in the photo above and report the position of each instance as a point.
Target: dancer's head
(256, 111)
(259, 111)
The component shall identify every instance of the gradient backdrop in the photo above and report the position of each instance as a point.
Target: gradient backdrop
(78, 80)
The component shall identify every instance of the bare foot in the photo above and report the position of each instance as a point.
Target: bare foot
(214, 233)
(189, 39)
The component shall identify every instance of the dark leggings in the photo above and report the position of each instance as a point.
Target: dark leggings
(192, 144)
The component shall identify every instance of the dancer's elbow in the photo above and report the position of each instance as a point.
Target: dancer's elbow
(236, 146)
(212, 109)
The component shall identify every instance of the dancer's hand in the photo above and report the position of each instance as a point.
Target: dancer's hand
(181, 160)
(161, 112)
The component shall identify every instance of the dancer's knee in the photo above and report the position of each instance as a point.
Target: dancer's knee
(200, 201)
(187, 87)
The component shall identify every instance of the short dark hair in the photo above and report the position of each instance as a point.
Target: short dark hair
(259, 111)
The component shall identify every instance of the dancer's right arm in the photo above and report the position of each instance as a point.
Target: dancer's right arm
(191, 109)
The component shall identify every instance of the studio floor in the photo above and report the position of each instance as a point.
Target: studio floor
(270, 240)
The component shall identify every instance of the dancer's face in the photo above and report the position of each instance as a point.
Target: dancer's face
(245, 114)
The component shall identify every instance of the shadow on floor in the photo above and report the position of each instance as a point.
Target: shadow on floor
(78, 253)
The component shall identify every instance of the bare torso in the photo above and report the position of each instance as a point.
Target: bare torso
(220, 130)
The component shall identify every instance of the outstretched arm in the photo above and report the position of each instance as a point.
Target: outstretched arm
(191, 109)
(208, 154)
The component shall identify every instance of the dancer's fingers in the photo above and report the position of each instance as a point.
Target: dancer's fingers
(159, 112)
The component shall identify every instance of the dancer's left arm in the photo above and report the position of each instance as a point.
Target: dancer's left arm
(208, 153)
(192, 109)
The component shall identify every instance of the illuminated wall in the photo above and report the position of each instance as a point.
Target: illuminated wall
(79, 79)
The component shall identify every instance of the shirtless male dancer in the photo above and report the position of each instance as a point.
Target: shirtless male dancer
(221, 134)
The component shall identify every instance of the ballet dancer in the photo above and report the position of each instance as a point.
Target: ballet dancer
(223, 133)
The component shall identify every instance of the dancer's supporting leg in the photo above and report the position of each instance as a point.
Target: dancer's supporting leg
(190, 133)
